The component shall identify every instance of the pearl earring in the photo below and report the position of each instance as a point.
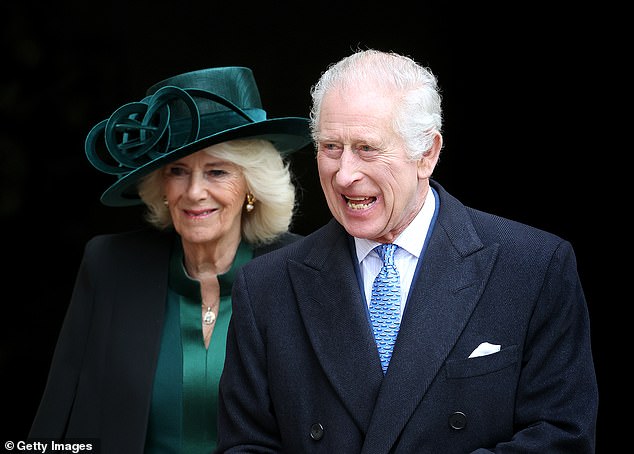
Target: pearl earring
(250, 202)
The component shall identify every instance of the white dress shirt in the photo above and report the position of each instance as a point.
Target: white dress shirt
(410, 244)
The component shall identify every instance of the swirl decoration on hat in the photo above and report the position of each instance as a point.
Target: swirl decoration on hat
(140, 132)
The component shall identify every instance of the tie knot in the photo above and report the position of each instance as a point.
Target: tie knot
(386, 252)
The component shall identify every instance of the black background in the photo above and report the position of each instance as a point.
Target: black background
(524, 103)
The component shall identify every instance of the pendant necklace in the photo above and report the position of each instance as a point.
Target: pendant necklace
(209, 317)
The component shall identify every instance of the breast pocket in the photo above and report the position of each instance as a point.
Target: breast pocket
(482, 365)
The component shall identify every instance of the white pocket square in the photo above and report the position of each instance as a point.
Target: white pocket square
(484, 349)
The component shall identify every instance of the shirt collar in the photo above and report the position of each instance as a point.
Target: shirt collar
(412, 238)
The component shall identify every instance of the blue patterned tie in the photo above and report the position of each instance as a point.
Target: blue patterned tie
(385, 304)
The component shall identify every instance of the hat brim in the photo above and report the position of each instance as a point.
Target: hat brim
(288, 135)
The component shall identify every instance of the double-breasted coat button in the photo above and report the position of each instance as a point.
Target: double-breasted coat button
(316, 431)
(457, 420)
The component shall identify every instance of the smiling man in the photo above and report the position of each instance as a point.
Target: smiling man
(410, 323)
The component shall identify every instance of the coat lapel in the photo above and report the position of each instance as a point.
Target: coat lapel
(453, 274)
(136, 328)
(333, 311)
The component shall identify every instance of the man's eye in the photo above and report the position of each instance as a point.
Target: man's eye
(367, 151)
(330, 149)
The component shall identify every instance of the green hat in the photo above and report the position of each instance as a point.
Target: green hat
(180, 116)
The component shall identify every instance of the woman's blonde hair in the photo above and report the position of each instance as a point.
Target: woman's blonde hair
(268, 178)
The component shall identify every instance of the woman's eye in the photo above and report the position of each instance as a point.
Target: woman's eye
(216, 173)
(176, 171)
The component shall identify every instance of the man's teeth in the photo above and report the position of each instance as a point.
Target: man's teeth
(358, 203)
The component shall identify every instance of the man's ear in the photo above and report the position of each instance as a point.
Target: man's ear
(427, 163)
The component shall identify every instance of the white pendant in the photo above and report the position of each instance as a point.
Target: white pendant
(210, 317)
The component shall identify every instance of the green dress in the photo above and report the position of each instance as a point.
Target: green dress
(185, 392)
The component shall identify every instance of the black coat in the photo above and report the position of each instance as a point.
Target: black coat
(100, 380)
(302, 373)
